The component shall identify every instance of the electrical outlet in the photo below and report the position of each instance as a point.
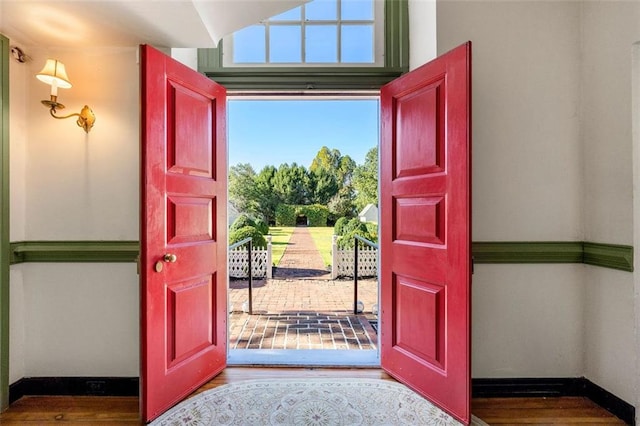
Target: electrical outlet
(96, 387)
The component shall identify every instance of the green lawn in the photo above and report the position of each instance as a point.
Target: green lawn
(322, 237)
(279, 239)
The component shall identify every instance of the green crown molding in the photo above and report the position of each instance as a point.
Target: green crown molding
(496, 252)
(4, 222)
(527, 252)
(609, 256)
(74, 251)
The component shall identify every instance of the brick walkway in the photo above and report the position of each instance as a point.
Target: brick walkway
(301, 258)
(302, 310)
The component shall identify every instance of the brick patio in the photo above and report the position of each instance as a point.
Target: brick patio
(302, 314)
(301, 308)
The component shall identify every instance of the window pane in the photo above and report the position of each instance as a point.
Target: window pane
(357, 44)
(289, 15)
(321, 10)
(321, 43)
(361, 10)
(249, 45)
(285, 44)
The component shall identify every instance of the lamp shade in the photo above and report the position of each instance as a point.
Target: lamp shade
(54, 71)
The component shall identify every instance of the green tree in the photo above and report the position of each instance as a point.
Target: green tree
(333, 162)
(323, 186)
(345, 171)
(326, 158)
(341, 204)
(365, 180)
(291, 184)
(242, 185)
(266, 197)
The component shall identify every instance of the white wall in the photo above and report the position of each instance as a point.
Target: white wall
(534, 179)
(82, 320)
(18, 86)
(76, 319)
(87, 184)
(17, 365)
(422, 32)
(527, 179)
(552, 161)
(526, 152)
(609, 30)
(527, 321)
(17, 200)
(636, 201)
(188, 57)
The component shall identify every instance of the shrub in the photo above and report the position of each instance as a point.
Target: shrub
(258, 239)
(348, 239)
(262, 226)
(242, 221)
(354, 224)
(372, 228)
(338, 229)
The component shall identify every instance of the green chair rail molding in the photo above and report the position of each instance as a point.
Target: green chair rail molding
(74, 251)
(494, 252)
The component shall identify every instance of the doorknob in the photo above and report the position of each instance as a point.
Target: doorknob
(170, 258)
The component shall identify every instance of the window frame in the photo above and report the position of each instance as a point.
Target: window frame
(305, 24)
(311, 78)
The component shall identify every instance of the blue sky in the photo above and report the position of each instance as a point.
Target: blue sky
(272, 132)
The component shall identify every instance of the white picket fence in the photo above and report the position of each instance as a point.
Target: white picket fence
(260, 261)
(342, 262)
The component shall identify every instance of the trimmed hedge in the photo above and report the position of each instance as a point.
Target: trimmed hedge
(258, 239)
(287, 214)
(316, 214)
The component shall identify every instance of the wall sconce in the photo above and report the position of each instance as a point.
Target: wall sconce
(54, 74)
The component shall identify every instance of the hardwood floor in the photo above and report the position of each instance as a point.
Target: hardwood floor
(124, 410)
(538, 411)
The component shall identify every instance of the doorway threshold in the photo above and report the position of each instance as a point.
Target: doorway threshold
(303, 358)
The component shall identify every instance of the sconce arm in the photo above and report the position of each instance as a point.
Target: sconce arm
(86, 117)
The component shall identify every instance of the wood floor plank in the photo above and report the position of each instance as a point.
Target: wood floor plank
(109, 411)
(542, 402)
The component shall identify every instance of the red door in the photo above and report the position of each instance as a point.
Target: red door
(425, 234)
(183, 231)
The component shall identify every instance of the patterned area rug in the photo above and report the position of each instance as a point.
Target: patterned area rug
(309, 402)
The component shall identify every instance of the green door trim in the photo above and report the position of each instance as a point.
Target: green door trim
(612, 256)
(4, 222)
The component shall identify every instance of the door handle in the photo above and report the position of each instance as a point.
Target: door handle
(170, 258)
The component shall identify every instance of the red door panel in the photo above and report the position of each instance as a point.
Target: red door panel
(183, 231)
(425, 208)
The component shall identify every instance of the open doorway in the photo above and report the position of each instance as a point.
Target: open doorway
(304, 170)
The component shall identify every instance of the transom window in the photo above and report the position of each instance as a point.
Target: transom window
(319, 33)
